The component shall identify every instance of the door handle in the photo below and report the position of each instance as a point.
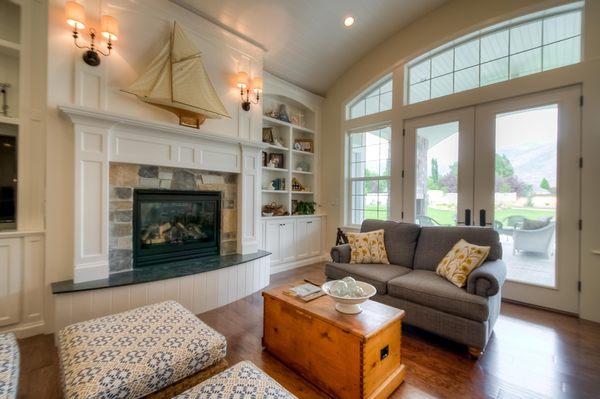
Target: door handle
(467, 217)
(482, 217)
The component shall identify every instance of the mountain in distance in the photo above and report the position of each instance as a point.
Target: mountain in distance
(533, 162)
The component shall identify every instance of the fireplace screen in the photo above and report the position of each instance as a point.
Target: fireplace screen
(175, 225)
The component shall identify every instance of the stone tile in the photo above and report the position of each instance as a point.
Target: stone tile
(121, 230)
(165, 184)
(183, 180)
(124, 243)
(231, 178)
(148, 171)
(228, 236)
(228, 204)
(149, 182)
(165, 174)
(229, 221)
(123, 174)
(122, 216)
(120, 259)
(212, 179)
(228, 247)
(121, 193)
(116, 205)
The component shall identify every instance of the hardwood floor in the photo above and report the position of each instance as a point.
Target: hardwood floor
(532, 354)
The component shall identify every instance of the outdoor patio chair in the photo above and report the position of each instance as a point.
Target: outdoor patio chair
(536, 241)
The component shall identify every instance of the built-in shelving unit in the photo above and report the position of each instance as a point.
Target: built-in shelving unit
(297, 164)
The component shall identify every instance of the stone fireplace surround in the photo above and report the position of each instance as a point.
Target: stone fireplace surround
(125, 178)
(107, 142)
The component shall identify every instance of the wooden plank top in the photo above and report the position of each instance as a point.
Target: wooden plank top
(374, 317)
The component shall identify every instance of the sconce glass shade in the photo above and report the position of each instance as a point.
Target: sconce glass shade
(110, 27)
(257, 84)
(75, 14)
(242, 80)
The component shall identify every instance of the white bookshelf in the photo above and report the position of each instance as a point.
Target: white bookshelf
(288, 133)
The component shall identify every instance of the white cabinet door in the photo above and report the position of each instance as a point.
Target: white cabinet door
(313, 234)
(272, 241)
(302, 242)
(10, 280)
(286, 247)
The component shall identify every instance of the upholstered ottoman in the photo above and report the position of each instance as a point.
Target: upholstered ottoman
(9, 366)
(138, 352)
(244, 380)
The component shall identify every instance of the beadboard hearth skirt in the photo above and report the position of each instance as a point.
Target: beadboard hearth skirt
(198, 292)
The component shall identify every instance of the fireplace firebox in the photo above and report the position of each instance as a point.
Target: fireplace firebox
(171, 225)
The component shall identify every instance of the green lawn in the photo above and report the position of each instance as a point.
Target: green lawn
(448, 217)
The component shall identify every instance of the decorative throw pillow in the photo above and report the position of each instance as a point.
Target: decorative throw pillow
(367, 247)
(460, 261)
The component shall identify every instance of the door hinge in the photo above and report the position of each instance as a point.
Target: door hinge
(581, 101)
(580, 224)
(403, 132)
(581, 163)
(402, 215)
(579, 286)
(403, 174)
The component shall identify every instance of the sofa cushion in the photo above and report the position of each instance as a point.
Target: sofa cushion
(244, 380)
(400, 239)
(137, 352)
(375, 274)
(435, 242)
(428, 289)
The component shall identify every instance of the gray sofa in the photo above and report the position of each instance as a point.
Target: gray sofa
(466, 315)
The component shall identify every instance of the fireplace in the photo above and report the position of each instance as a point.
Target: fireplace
(171, 225)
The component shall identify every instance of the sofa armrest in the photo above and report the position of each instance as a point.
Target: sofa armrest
(487, 279)
(341, 253)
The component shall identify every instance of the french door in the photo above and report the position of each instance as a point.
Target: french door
(511, 165)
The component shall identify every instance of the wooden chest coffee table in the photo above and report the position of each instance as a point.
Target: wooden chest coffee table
(347, 356)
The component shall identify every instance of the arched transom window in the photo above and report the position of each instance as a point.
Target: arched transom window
(522, 46)
(377, 98)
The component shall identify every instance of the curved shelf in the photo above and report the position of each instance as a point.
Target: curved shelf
(287, 124)
(275, 191)
(274, 169)
(300, 172)
(310, 154)
(302, 192)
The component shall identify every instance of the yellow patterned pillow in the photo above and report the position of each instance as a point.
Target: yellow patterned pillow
(462, 259)
(367, 247)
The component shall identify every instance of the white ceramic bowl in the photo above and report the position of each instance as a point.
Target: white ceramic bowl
(350, 305)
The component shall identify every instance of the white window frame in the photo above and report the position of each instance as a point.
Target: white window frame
(503, 26)
(363, 96)
(349, 179)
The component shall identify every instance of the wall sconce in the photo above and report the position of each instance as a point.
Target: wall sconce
(243, 84)
(109, 29)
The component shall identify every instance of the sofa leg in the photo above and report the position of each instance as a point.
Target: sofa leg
(474, 353)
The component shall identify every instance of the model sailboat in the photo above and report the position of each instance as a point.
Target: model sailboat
(176, 80)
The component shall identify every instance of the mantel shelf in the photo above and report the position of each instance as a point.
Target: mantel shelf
(9, 121)
(111, 118)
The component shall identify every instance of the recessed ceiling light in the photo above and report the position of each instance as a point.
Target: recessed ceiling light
(349, 21)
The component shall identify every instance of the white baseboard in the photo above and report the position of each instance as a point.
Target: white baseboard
(282, 267)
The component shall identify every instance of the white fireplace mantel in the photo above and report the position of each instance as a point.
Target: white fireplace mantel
(103, 137)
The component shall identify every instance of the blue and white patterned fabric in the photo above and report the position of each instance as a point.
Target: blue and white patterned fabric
(9, 366)
(242, 381)
(135, 353)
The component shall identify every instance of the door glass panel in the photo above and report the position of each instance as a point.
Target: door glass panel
(436, 197)
(525, 192)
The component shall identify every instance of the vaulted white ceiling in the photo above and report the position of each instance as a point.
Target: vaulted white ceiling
(306, 41)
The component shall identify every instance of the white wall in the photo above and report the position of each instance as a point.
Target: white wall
(454, 19)
(144, 28)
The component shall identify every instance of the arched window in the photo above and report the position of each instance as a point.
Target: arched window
(376, 98)
(522, 46)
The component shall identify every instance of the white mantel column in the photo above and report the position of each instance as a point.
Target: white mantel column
(249, 192)
(91, 201)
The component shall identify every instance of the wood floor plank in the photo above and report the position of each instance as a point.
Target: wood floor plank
(532, 354)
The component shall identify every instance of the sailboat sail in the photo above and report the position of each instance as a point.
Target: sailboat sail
(177, 81)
